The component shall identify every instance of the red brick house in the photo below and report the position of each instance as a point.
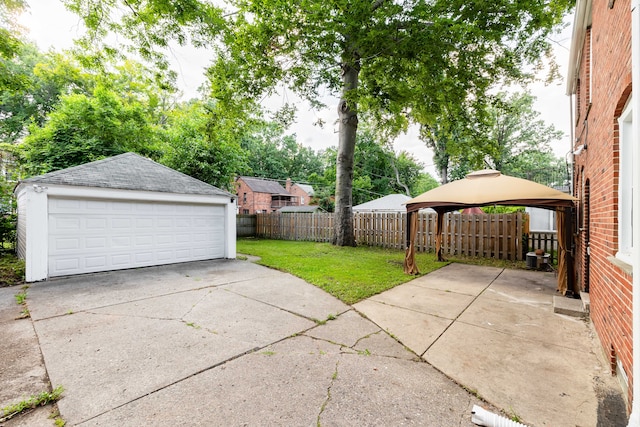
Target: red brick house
(304, 192)
(258, 195)
(605, 147)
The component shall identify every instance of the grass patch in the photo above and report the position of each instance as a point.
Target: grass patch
(21, 297)
(349, 274)
(11, 270)
(33, 402)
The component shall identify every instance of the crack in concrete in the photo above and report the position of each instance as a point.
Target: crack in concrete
(311, 319)
(326, 402)
(195, 304)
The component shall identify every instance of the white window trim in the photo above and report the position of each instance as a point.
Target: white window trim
(625, 186)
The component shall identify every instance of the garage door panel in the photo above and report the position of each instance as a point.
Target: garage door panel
(119, 242)
(66, 223)
(89, 236)
(67, 244)
(144, 241)
(95, 261)
(164, 240)
(164, 223)
(99, 223)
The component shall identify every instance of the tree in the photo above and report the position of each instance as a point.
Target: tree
(45, 77)
(400, 60)
(509, 137)
(199, 145)
(10, 42)
(273, 154)
(377, 171)
(86, 128)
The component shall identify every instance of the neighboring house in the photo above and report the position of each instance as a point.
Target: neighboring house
(389, 203)
(605, 149)
(257, 195)
(121, 212)
(304, 192)
(542, 220)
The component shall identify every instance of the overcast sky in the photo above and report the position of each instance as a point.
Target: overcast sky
(51, 26)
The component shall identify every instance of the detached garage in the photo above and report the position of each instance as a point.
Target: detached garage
(122, 212)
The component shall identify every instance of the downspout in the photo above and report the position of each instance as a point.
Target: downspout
(571, 143)
(634, 418)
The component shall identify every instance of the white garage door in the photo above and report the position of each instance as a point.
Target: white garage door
(99, 235)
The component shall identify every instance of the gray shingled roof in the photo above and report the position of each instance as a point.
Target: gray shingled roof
(128, 171)
(307, 188)
(259, 185)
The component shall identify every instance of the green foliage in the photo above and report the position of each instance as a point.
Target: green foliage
(41, 399)
(11, 270)
(46, 78)
(508, 136)
(10, 43)
(200, 146)
(348, 273)
(8, 218)
(423, 184)
(86, 128)
(272, 154)
(502, 209)
(374, 173)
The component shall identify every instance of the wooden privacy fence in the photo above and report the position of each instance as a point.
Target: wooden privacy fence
(545, 240)
(482, 235)
(245, 225)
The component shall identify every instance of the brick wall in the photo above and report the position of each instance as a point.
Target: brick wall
(302, 196)
(601, 97)
(250, 202)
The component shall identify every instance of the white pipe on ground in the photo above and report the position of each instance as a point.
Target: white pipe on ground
(482, 417)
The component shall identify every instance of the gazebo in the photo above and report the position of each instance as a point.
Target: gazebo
(490, 187)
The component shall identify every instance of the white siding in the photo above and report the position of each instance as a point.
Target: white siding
(21, 232)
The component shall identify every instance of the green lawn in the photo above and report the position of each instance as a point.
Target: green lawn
(11, 270)
(349, 274)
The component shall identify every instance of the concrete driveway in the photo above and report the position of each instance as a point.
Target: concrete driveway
(228, 343)
(495, 331)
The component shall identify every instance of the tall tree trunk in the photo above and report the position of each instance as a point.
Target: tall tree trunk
(348, 117)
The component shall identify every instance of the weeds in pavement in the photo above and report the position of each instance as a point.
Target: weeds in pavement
(33, 402)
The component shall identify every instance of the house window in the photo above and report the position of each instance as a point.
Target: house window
(244, 198)
(625, 187)
(245, 211)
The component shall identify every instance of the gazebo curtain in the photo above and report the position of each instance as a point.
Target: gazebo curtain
(410, 266)
(439, 231)
(566, 278)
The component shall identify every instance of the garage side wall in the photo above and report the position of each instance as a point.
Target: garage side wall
(32, 207)
(230, 211)
(21, 227)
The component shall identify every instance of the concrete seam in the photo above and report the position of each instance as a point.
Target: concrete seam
(461, 313)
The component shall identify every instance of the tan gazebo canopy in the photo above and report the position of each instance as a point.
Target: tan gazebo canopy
(490, 187)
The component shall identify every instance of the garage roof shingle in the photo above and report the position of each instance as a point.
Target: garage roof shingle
(128, 171)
